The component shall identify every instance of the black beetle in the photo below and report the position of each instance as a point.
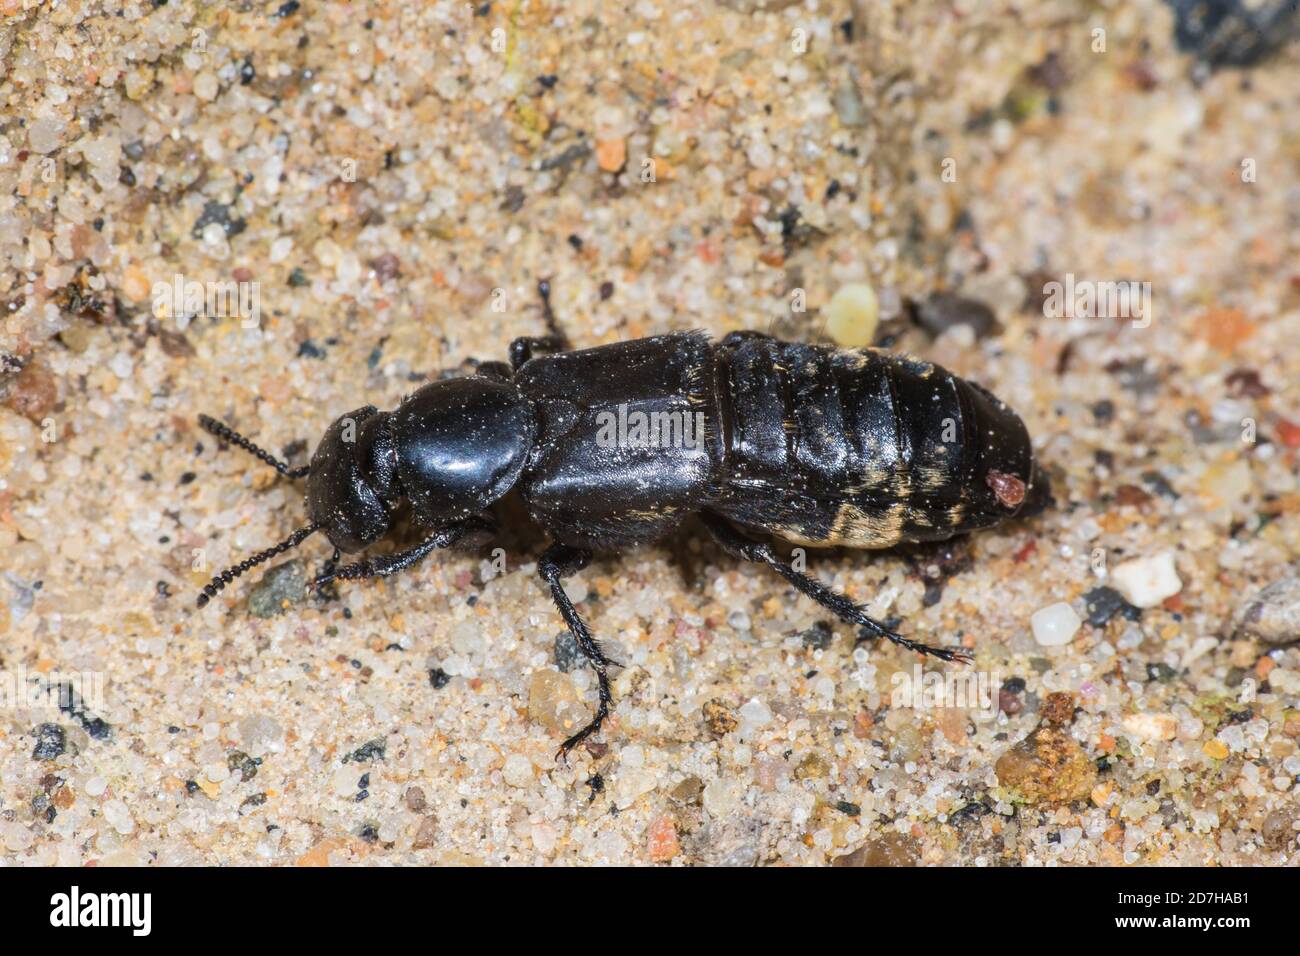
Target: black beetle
(615, 446)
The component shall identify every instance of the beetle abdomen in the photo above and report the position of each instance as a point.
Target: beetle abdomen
(865, 448)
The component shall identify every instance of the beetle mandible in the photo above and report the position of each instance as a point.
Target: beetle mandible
(818, 446)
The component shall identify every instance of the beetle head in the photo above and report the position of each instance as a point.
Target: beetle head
(351, 485)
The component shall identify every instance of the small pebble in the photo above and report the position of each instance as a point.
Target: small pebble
(756, 713)
(121, 365)
(817, 637)
(718, 717)
(51, 742)
(206, 86)
(1055, 624)
(852, 315)
(427, 834)
(1048, 766)
(118, 816)
(553, 702)
(518, 771)
(890, 849)
(848, 105)
(1147, 581)
(45, 135)
(1103, 603)
(1152, 726)
(103, 151)
(611, 154)
(1215, 749)
(738, 621)
(568, 656)
(721, 798)
(281, 586)
(661, 841)
(943, 311)
(1273, 613)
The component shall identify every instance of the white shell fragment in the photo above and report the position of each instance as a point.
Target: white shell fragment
(1147, 581)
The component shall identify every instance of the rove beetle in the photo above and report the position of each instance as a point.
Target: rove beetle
(615, 446)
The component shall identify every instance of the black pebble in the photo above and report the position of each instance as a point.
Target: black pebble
(219, 213)
(309, 349)
(943, 311)
(1103, 411)
(369, 751)
(1234, 32)
(568, 656)
(51, 742)
(1104, 603)
(817, 637)
(1161, 672)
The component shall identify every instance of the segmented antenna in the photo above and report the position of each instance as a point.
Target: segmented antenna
(227, 434)
(213, 587)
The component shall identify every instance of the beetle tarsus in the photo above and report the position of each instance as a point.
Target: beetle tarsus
(558, 562)
(602, 711)
(951, 654)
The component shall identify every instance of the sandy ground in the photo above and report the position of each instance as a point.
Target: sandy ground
(389, 181)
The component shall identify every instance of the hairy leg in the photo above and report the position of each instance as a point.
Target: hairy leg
(740, 546)
(470, 532)
(523, 349)
(558, 562)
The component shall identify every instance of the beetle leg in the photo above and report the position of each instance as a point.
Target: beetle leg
(472, 530)
(548, 313)
(740, 546)
(522, 349)
(557, 563)
(499, 371)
